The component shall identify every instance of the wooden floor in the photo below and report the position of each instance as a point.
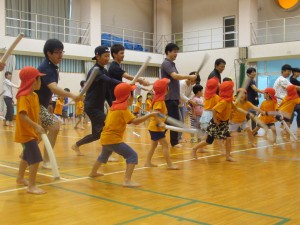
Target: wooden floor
(262, 187)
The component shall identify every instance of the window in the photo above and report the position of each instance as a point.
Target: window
(229, 36)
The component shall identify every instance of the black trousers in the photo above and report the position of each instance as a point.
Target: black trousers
(297, 110)
(173, 111)
(9, 108)
(97, 118)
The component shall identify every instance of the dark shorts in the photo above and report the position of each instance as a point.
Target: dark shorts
(47, 118)
(157, 135)
(65, 114)
(31, 152)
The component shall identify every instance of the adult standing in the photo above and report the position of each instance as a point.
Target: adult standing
(296, 82)
(219, 68)
(282, 82)
(96, 96)
(8, 98)
(168, 70)
(53, 51)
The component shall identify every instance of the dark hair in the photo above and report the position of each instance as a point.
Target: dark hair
(219, 62)
(115, 49)
(149, 94)
(286, 67)
(250, 70)
(67, 89)
(192, 73)
(170, 47)
(7, 73)
(82, 83)
(51, 45)
(197, 88)
(198, 79)
(227, 79)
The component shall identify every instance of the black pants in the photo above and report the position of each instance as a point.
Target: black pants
(297, 110)
(253, 122)
(173, 111)
(9, 108)
(97, 118)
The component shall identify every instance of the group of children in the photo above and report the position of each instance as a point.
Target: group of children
(138, 108)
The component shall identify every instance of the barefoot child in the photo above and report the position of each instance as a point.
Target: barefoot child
(79, 114)
(113, 131)
(148, 102)
(156, 126)
(28, 128)
(59, 107)
(138, 107)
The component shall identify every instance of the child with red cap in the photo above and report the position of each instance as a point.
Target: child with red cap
(28, 127)
(112, 135)
(218, 126)
(268, 105)
(156, 125)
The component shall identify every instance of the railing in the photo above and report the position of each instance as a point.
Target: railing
(43, 27)
(275, 31)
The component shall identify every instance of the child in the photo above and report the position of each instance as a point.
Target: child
(218, 126)
(79, 114)
(268, 105)
(288, 104)
(65, 107)
(28, 127)
(113, 131)
(238, 119)
(156, 129)
(149, 102)
(197, 110)
(138, 106)
(59, 106)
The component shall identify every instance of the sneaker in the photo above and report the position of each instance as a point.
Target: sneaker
(177, 146)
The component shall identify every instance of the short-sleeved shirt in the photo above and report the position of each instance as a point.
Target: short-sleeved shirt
(239, 117)
(58, 107)
(51, 71)
(223, 109)
(280, 86)
(288, 106)
(167, 68)
(30, 105)
(115, 126)
(215, 73)
(268, 106)
(98, 91)
(211, 102)
(159, 106)
(79, 108)
(296, 82)
(137, 107)
(252, 95)
(116, 72)
(148, 105)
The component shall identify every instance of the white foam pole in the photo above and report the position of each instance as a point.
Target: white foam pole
(141, 70)
(172, 121)
(11, 48)
(180, 129)
(205, 58)
(51, 155)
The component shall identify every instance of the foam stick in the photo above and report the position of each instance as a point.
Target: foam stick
(11, 48)
(141, 70)
(285, 114)
(172, 121)
(51, 155)
(57, 117)
(180, 129)
(245, 84)
(205, 58)
(2, 93)
(260, 123)
(289, 130)
(136, 134)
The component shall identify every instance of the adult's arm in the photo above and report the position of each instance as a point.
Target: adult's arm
(253, 86)
(61, 92)
(9, 83)
(141, 80)
(178, 76)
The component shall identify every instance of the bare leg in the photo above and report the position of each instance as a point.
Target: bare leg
(95, 168)
(20, 178)
(32, 189)
(274, 134)
(52, 135)
(198, 146)
(128, 174)
(250, 137)
(255, 130)
(166, 153)
(76, 149)
(148, 162)
(228, 149)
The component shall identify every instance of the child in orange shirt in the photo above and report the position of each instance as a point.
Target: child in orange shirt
(138, 106)
(239, 120)
(28, 127)
(59, 106)
(218, 126)
(112, 135)
(149, 102)
(268, 105)
(79, 114)
(156, 125)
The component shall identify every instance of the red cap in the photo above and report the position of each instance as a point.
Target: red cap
(160, 89)
(122, 93)
(271, 92)
(211, 88)
(226, 91)
(291, 92)
(27, 76)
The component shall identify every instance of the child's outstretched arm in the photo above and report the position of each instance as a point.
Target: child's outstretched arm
(141, 119)
(38, 128)
(258, 110)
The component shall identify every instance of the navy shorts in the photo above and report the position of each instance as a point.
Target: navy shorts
(31, 152)
(157, 135)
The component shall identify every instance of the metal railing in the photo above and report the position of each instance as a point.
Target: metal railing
(275, 30)
(43, 27)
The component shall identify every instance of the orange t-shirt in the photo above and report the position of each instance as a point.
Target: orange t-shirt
(137, 107)
(58, 107)
(148, 105)
(223, 109)
(288, 106)
(115, 126)
(161, 107)
(239, 117)
(79, 108)
(267, 106)
(210, 103)
(31, 106)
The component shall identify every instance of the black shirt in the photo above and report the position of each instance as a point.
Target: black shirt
(215, 73)
(98, 91)
(116, 72)
(51, 71)
(296, 82)
(252, 94)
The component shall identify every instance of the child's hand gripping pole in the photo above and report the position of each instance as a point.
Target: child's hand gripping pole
(51, 155)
